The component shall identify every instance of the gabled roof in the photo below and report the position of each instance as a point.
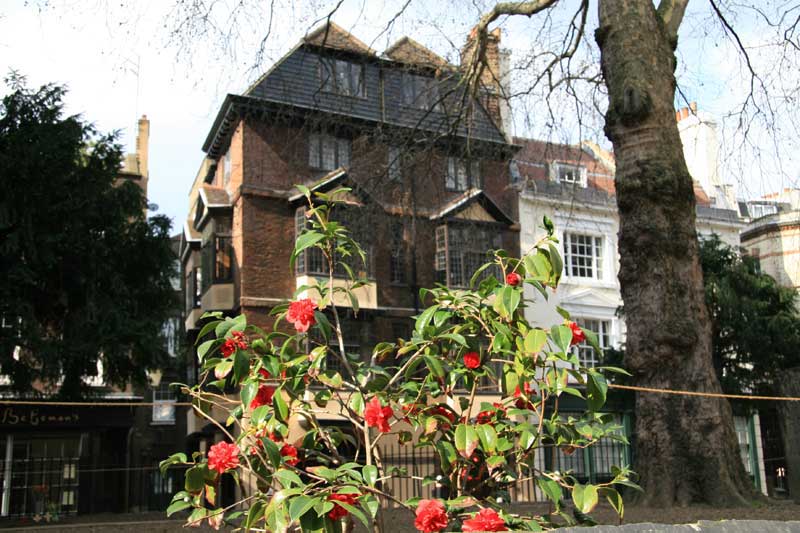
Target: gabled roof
(469, 198)
(407, 50)
(332, 180)
(331, 35)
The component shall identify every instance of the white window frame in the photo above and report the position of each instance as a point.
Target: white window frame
(579, 173)
(605, 335)
(462, 174)
(163, 405)
(597, 246)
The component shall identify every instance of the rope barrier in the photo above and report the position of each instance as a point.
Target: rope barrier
(705, 394)
(611, 385)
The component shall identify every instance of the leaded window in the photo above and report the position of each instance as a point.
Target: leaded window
(397, 258)
(342, 77)
(462, 174)
(583, 255)
(394, 165)
(312, 261)
(461, 249)
(216, 253)
(327, 152)
(421, 91)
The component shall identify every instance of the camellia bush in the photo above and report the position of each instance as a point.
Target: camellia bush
(298, 472)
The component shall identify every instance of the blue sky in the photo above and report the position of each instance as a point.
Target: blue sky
(119, 63)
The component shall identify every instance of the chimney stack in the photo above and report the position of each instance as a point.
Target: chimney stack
(494, 76)
(142, 146)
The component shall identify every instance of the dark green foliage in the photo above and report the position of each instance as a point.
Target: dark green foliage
(755, 321)
(80, 263)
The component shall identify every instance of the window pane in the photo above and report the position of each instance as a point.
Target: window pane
(314, 150)
(408, 88)
(326, 75)
(328, 153)
(224, 259)
(343, 149)
(343, 77)
(394, 164)
(450, 180)
(461, 175)
(357, 79)
(475, 174)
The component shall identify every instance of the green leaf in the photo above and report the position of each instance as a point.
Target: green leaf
(466, 440)
(615, 499)
(562, 337)
(207, 328)
(584, 497)
(355, 511)
(487, 436)
(357, 403)
(287, 478)
(563, 312)
(249, 391)
(203, 349)
(506, 301)
(591, 338)
(331, 378)
(434, 365)
(259, 414)
(273, 453)
(300, 505)
(424, 319)
(194, 480)
(281, 409)
(175, 458)
(370, 474)
(456, 338)
(179, 505)
(306, 240)
(241, 365)
(551, 489)
(555, 260)
(596, 390)
(535, 341)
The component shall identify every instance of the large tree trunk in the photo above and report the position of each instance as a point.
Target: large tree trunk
(686, 450)
(790, 428)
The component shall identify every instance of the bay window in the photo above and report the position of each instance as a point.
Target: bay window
(326, 152)
(217, 253)
(461, 249)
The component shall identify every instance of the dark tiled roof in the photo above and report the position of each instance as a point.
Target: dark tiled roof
(467, 198)
(334, 36)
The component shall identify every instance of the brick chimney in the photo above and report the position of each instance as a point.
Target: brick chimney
(142, 146)
(493, 78)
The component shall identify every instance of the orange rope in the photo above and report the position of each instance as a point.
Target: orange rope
(704, 394)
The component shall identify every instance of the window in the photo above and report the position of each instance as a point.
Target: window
(394, 164)
(217, 254)
(342, 77)
(762, 210)
(586, 354)
(462, 174)
(163, 405)
(397, 258)
(226, 169)
(461, 250)
(327, 152)
(583, 256)
(193, 285)
(172, 335)
(571, 174)
(421, 92)
(313, 263)
(10, 325)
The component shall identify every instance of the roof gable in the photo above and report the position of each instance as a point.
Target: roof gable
(331, 35)
(473, 205)
(407, 50)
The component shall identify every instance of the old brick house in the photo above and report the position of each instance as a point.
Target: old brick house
(431, 186)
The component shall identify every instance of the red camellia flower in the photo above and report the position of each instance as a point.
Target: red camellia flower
(301, 314)
(578, 335)
(484, 520)
(472, 360)
(239, 339)
(264, 373)
(223, 456)
(522, 396)
(377, 416)
(513, 279)
(228, 347)
(263, 396)
(289, 452)
(431, 516)
(338, 512)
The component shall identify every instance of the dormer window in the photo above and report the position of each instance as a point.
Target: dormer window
(462, 174)
(421, 92)
(570, 174)
(342, 77)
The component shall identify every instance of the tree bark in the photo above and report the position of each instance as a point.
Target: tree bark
(685, 449)
(789, 412)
